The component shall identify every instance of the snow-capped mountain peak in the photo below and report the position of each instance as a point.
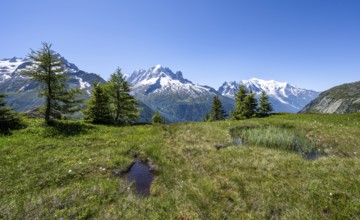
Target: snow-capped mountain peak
(69, 67)
(267, 85)
(157, 68)
(172, 95)
(284, 96)
(11, 79)
(8, 67)
(155, 73)
(160, 79)
(11, 66)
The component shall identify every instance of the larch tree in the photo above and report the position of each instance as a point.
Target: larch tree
(48, 72)
(9, 120)
(157, 119)
(207, 117)
(217, 111)
(124, 106)
(265, 107)
(240, 107)
(250, 105)
(98, 107)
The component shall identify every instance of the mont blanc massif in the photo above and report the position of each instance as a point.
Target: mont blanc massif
(158, 88)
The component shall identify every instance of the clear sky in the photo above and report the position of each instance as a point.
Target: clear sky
(314, 44)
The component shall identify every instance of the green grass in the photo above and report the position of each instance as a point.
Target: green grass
(195, 181)
(275, 137)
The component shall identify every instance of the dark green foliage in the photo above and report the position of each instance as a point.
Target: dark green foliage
(239, 111)
(250, 105)
(246, 104)
(207, 117)
(111, 103)
(9, 120)
(98, 108)
(158, 119)
(265, 106)
(67, 128)
(48, 73)
(217, 111)
(123, 106)
(240, 107)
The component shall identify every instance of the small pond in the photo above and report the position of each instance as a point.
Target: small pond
(142, 177)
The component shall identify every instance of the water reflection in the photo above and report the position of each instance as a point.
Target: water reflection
(141, 175)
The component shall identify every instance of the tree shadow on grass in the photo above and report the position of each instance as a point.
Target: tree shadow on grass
(67, 128)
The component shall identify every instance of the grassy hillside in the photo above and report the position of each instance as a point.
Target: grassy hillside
(68, 172)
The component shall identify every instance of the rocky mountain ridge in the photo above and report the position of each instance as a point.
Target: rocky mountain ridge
(283, 96)
(340, 99)
(157, 88)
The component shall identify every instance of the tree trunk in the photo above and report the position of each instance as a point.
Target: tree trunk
(48, 99)
(47, 111)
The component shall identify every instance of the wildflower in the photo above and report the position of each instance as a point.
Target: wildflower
(330, 194)
(70, 171)
(89, 158)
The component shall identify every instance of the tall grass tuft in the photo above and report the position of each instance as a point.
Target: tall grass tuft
(274, 137)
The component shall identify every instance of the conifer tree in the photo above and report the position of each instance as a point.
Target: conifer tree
(157, 119)
(250, 105)
(123, 105)
(217, 111)
(239, 112)
(9, 120)
(98, 107)
(265, 106)
(207, 117)
(48, 72)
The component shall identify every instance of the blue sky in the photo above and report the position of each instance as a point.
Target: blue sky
(314, 44)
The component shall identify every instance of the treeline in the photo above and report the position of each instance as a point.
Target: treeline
(246, 106)
(110, 103)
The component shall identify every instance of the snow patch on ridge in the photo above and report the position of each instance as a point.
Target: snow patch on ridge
(161, 79)
(287, 97)
(8, 67)
(83, 85)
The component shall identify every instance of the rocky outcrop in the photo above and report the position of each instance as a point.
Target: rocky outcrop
(340, 99)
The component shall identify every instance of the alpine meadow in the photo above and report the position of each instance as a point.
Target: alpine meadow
(255, 114)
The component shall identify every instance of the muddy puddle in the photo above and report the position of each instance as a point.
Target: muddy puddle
(141, 176)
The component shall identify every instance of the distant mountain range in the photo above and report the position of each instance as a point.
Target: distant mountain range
(175, 97)
(283, 96)
(158, 89)
(339, 99)
(23, 93)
